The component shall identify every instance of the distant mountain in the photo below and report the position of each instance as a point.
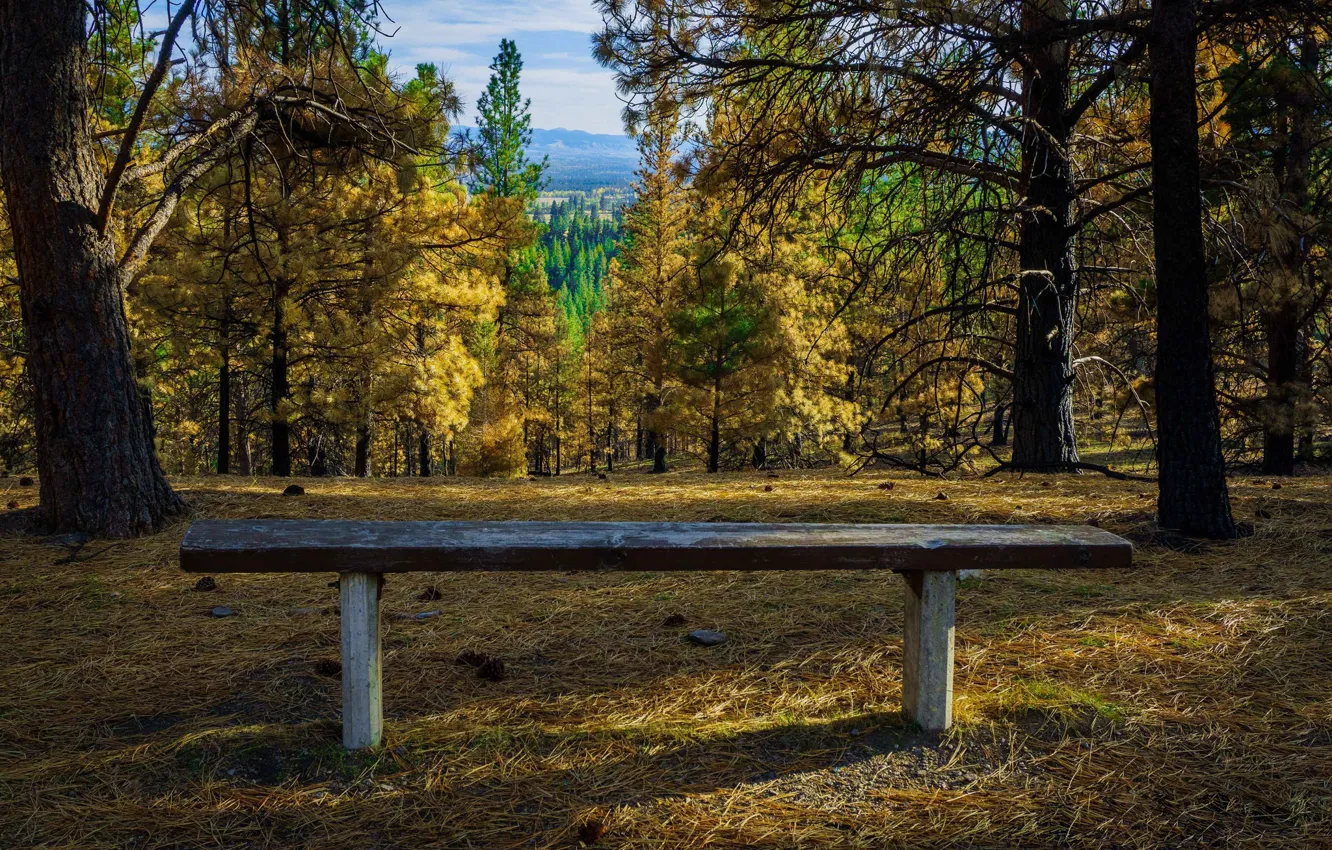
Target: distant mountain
(580, 160)
(562, 142)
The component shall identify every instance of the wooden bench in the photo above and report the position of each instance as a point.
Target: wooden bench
(929, 557)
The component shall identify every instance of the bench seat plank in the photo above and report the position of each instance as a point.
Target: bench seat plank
(256, 546)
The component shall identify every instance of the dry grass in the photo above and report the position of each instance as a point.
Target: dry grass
(1185, 704)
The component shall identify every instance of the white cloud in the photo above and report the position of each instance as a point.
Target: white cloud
(446, 22)
(567, 88)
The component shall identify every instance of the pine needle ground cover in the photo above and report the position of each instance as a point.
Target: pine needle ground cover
(1187, 703)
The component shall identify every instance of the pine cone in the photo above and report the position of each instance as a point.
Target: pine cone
(472, 658)
(491, 671)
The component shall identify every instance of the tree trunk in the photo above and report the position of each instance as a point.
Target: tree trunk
(714, 437)
(224, 413)
(423, 451)
(1043, 435)
(362, 468)
(760, 456)
(244, 448)
(1283, 378)
(1284, 325)
(1193, 496)
(317, 457)
(654, 447)
(1000, 437)
(280, 388)
(95, 456)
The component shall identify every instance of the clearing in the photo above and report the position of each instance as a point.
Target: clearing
(1186, 703)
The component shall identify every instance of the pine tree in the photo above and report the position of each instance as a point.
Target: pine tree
(504, 123)
(652, 267)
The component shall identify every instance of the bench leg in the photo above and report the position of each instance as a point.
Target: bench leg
(927, 671)
(362, 701)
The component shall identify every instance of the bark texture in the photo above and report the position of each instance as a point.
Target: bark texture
(1042, 414)
(1193, 495)
(98, 470)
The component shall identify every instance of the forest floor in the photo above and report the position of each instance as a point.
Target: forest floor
(1186, 703)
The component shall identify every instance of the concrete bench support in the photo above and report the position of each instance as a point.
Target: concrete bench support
(927, 666)
(362, 690)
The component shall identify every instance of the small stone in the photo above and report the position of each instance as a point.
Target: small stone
(12, 504)
(942, 497)
(430, 594)
(294, 490)
(26, 481)
(707, 637)
(887, 485)
(222, 611)
(207, 584)
(1276, 485)
(73, 539)
(767, 489)
(673, 620)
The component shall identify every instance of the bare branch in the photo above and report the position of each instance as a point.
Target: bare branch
(140, 111)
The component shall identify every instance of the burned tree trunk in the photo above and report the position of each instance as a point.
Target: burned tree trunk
(98, 470)
(1043, 436)
(1193, 496)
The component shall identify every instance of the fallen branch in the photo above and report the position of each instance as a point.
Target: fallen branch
(1068, 466)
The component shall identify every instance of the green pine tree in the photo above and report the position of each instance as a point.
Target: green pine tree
(504, 123)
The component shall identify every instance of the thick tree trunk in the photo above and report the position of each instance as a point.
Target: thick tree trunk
(224, 414)
(423, 452)
(1043, 435)
(1193, 496)
(95, 457)
(280, 388)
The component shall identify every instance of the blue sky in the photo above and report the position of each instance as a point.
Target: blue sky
(568, 89)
